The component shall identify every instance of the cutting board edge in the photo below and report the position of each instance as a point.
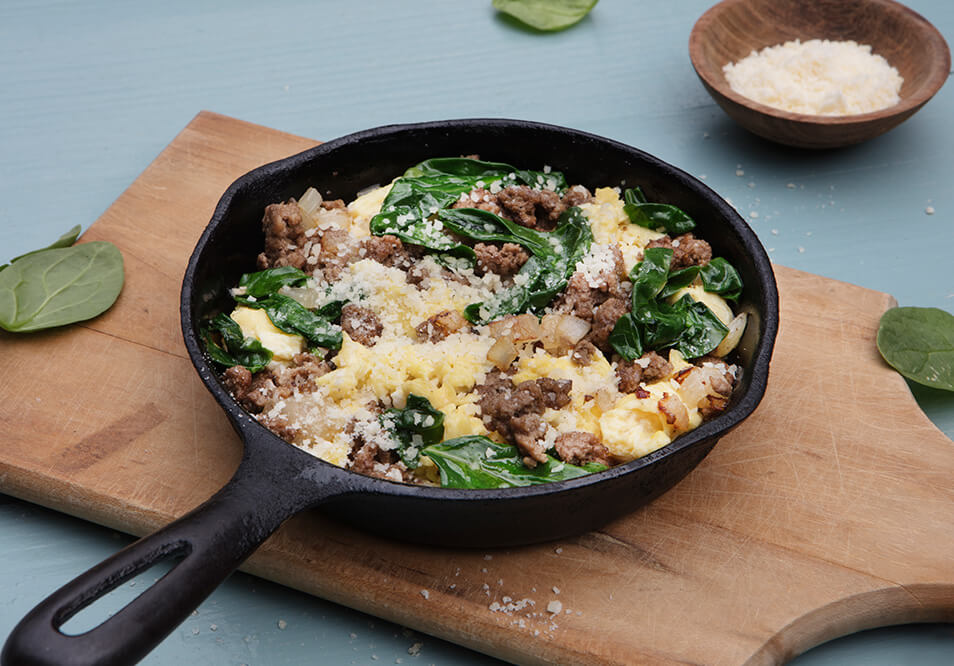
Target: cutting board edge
(888, 606)
(888, 301)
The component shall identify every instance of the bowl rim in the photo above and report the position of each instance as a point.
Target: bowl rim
(768, 308)
(706, 71)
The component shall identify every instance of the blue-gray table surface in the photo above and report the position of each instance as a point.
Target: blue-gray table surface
(91, 92)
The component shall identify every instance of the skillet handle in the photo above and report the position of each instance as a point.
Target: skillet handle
(213, 540)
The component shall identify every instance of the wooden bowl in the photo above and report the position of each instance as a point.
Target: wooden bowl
(734, 28)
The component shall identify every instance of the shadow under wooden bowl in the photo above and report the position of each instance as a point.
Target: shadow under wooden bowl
(731, 30)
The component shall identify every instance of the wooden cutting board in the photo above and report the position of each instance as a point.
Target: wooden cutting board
(830, 510)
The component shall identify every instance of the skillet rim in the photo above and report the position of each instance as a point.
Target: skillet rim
(709, 431)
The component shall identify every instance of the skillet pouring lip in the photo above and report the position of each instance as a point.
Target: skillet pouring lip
(257, 181)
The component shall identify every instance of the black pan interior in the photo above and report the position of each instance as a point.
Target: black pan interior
(343, 167)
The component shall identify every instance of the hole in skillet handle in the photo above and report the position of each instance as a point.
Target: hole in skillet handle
(88, 613)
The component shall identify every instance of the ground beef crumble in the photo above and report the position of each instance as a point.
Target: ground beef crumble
(338, 248)
(361, 324)
(369, 459)
(527, 206)
(687, 250)
(257, 392)
(504, 260)
(482, 199)
(391, 251)
(513, 410)
(722, 385)
(284, 237)
(649, 368)
(579, 448)
(601, 305)
(535, 209)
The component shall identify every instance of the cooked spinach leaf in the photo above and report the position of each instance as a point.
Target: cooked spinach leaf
(720, 277)
(546, 15)
(655, 324)
(702, 329)
(678, 280)
(476, 461)
(919, 343)
(236, 349)
(290, 316)
(625, 338)
(410, 209)
(482, 225)
(554, 258)
(271, 280)
(414, 427)
(669, 218)
(331, 310)
(287, 314)
(59, 285)
(481, 173)
(649, 276)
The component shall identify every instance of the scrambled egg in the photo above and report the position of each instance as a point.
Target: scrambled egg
(364, 207)
(610, 224)
(445, 373)
(256, 324)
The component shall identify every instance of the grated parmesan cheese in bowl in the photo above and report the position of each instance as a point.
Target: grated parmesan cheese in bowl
(817, 77)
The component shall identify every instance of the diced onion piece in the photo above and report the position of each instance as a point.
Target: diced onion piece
(675, 412)
(693, 386)
(516, 328)
(502, 353)
(606, 399)
(333, 217)
(560, 332)
(729, 342)
(310, 203)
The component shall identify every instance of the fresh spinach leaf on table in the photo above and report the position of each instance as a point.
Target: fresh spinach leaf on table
(61, 284)
(919, 343)
(475, 461)
(546, 15)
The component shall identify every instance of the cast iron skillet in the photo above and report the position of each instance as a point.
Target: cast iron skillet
(276, 480)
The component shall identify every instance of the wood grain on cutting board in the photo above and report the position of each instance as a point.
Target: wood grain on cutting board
(830, 510)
